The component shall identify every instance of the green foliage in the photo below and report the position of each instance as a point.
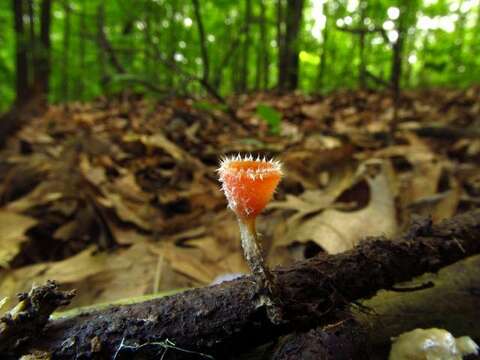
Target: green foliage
(209, 106)
(157, 41)
(7, 74)
(271, 116)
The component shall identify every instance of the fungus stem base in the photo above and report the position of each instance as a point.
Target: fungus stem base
(263, 276)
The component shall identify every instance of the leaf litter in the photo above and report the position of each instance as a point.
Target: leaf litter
(120, 198)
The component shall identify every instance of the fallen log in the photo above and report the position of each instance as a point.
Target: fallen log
(344, 340)
(366, 331)
(452, 304)
(225, 319)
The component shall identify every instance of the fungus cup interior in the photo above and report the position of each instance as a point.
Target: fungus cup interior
(249, 184)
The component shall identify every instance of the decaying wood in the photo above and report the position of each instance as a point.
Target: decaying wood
(31, 314)
(451, 304)
(343, 340)
(225, 319)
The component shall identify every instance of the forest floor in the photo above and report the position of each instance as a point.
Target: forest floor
(119, 198)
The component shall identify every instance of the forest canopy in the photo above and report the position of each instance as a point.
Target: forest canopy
(79, 49)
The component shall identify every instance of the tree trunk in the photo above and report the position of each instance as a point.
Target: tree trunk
(234, 77)
(265, 47)
(460, 24)
(66, 49)
(171, 42)
(21, 54)
(102, 58)
(323, 56)
(396, 69)
(246, 47)
(42, 63)
(362, 66)
(281, 43)
(288, 62)
(147, 39)
(80, 81)
(203, 42)
(32, 43)
(105, 46)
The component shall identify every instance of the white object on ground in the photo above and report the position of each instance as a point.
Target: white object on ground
(431, 344)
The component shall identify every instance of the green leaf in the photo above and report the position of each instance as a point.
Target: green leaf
(271, 116)
(208, 106)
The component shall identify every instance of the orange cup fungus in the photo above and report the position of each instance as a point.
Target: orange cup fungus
(249, 183)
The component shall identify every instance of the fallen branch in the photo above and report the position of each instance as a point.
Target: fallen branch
(30, 315)
(448, 132)
(225, 319)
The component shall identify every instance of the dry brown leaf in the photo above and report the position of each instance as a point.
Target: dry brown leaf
(12, 234)
(191, 263)
(44, 193)
(94, 174)
(98, 276)
(337, 231)
(128, 211)
(316, 111)
(128, 187)
(127, 236)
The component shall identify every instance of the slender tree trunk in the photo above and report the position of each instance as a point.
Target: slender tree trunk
(158, 13)
(148, 38)
(80, 80)
(105, 45)
(362, 67)
(281, 44)
(458, 58)
(259, 54)
(398, 47)
(42, 66)
(246, 47)
(265, 46)
(408, 70)
(203, 41)
(171, 47)
(66, 49)
(407, 18)
(323, 56)
(100, 19)
(31, 44)
(234, 72)
(21, 59)
(289, 63)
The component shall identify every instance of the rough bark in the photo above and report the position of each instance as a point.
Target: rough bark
(344, 340)
(30, 315)
(225, 319)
